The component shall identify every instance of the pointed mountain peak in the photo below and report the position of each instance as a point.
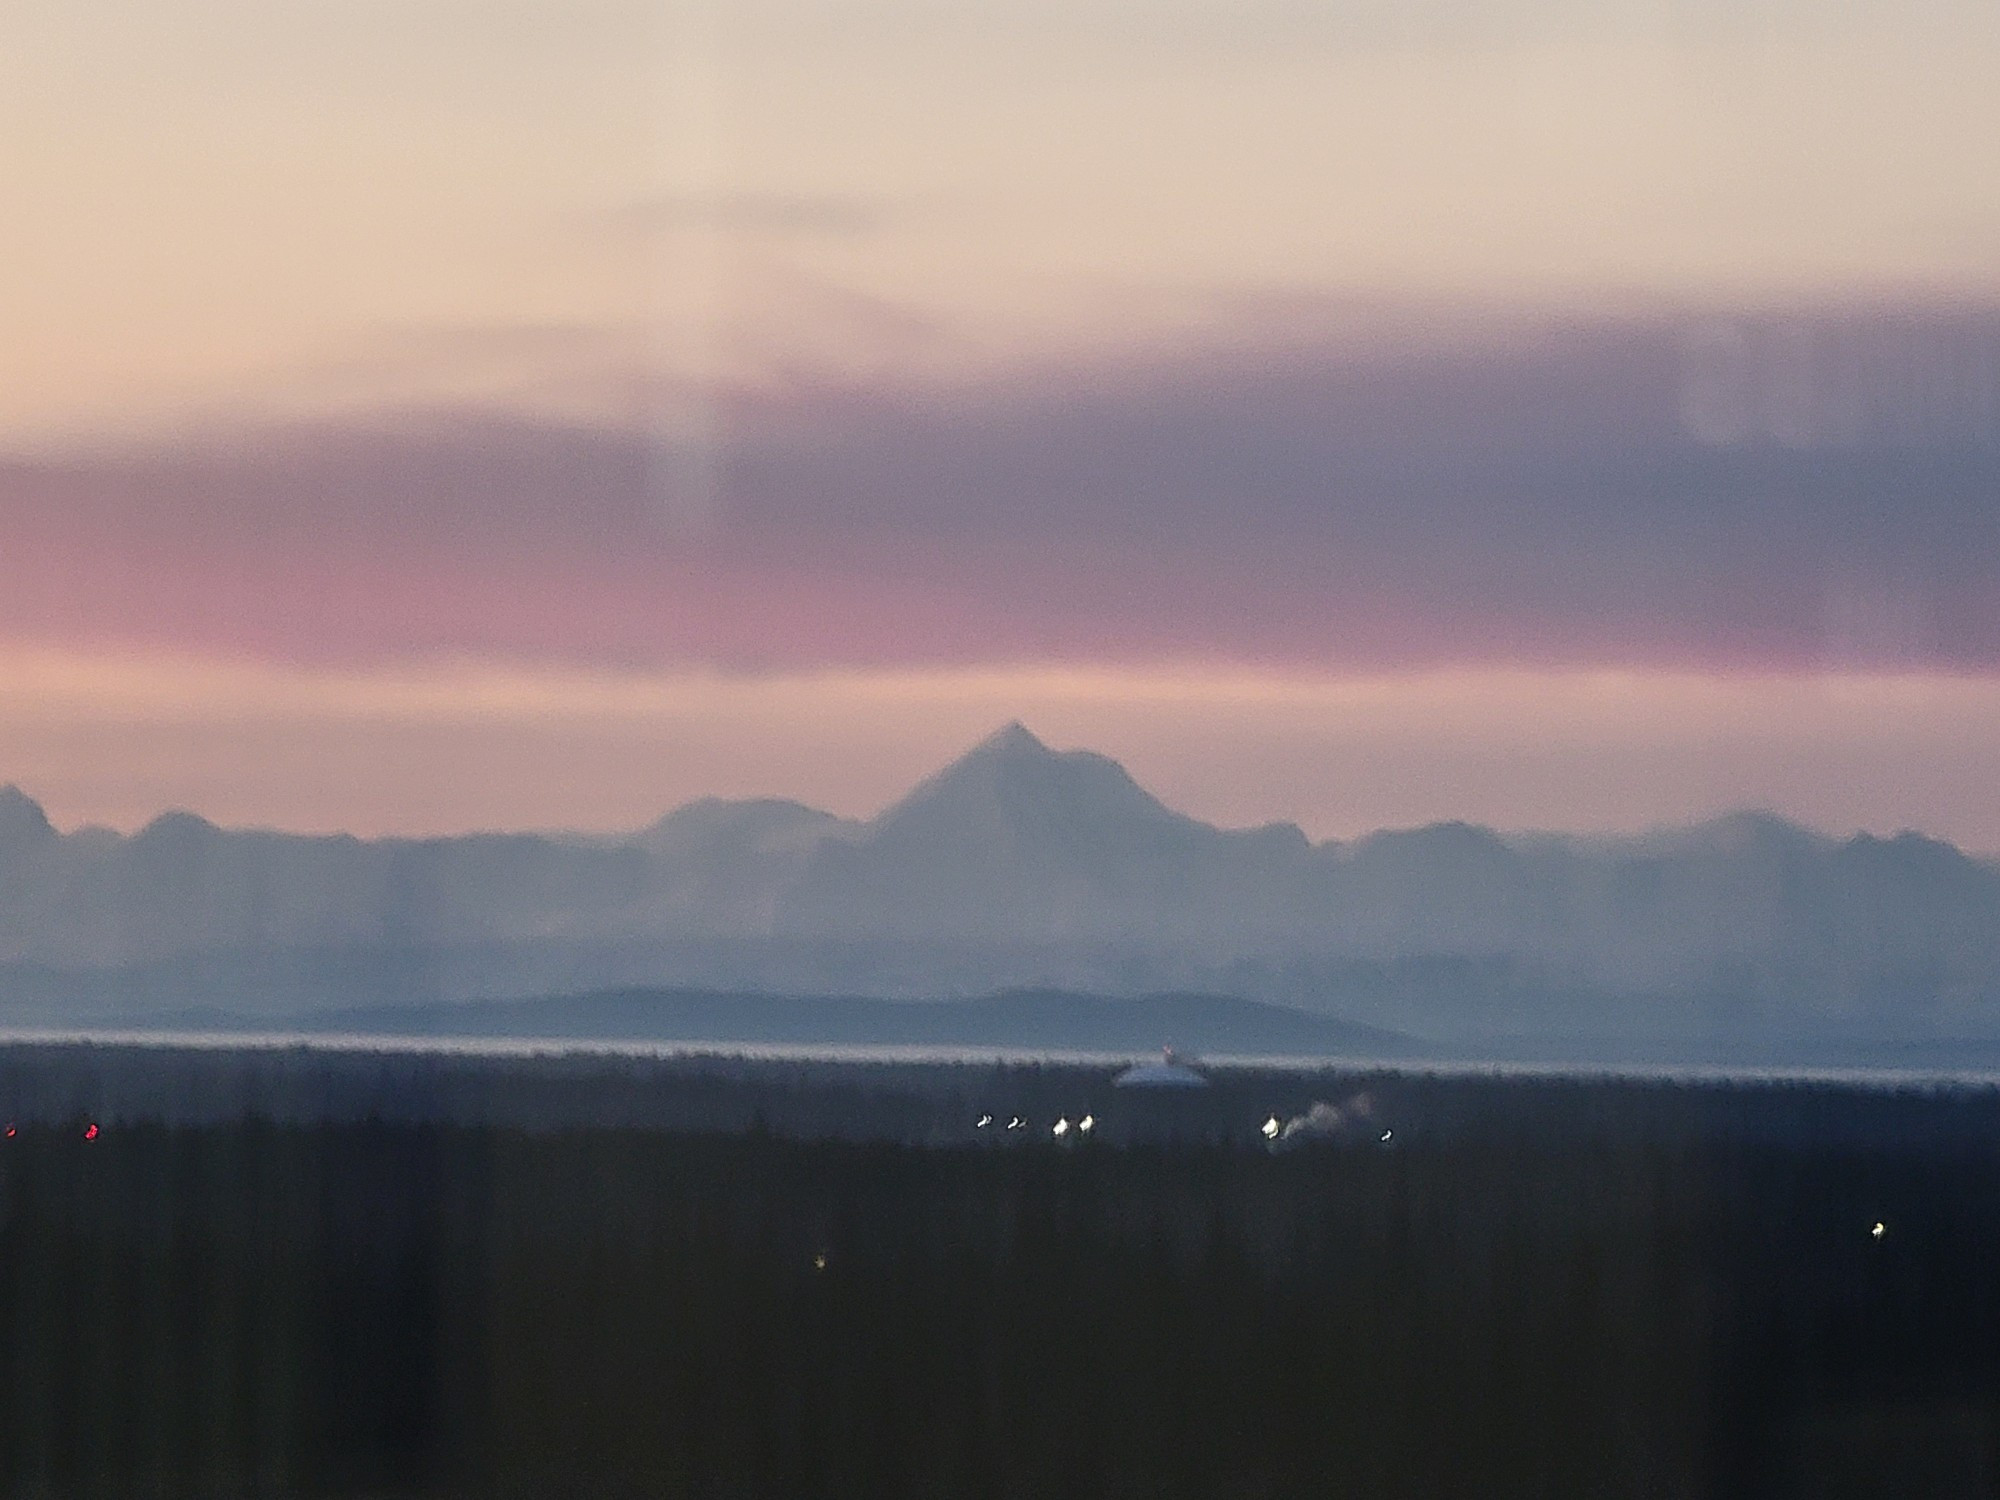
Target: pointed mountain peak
(1011, 775)
(1012, 740)
(21, 817)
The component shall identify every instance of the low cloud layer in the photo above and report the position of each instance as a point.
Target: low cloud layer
(1799, 492)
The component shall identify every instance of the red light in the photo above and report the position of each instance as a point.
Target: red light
(10, 1132)
(90, 1132)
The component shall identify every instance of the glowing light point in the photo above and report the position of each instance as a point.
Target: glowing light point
(1270, 1128)
(1060, 1128)
(1087, 1124)
(819, 1261)
(982, 1122)
(1016, 1123)
(1388, 1136)
(10, 1131)
(90, 1132)
(1879, 1230)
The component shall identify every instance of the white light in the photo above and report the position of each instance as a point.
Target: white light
(1087, 1124)
(983, 1122)
(1387, 1135)
(1060, 1128)
(1016, 1123)
(1270, 1128)
(1879, 1230)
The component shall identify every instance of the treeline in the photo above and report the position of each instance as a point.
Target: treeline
(1545, 1295)
(936, 1103)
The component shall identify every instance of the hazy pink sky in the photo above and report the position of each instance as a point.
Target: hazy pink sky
(466, 412)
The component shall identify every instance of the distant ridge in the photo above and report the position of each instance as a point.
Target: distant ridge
(1021, 868)
(1024, 1019)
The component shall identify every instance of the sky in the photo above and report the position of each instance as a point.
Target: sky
(419, 415)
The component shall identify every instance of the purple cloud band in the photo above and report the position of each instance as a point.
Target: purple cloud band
(1801, 491)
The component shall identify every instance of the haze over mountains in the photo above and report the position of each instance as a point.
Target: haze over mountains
(1019, 866)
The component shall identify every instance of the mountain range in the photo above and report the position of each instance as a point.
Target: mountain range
(1022, 867)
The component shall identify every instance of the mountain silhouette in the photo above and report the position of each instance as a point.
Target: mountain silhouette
(22, 821)
(1017, 841)
(1023, 867)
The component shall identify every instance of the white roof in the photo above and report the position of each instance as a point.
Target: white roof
(1160, 1075)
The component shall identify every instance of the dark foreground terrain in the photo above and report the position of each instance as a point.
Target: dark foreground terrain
(362, 1276)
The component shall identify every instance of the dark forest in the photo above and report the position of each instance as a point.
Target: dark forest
(394, 1277)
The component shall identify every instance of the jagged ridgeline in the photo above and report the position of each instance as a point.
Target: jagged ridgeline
(1019, 867)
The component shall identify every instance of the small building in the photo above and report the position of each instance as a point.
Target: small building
(1168, 1073)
